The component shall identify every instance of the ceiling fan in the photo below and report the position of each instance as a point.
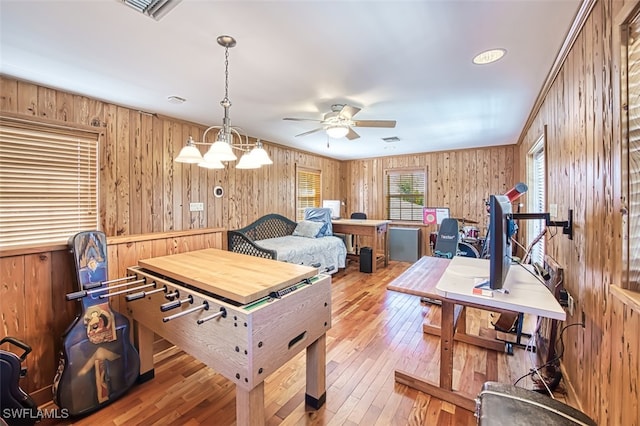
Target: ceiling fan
(339, 122)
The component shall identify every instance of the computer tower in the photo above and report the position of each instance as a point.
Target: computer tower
(366, 260)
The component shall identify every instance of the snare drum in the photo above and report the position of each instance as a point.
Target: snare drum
(467, 250)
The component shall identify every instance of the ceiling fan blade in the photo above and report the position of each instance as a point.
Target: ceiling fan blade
(352, 134)
(310, 131)
(302, 119)
(348, 111)
(375, 123)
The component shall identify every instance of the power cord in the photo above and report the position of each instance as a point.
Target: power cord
(536, 370)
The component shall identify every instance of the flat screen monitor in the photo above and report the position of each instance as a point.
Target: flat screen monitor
(500, 249)
(334, 205)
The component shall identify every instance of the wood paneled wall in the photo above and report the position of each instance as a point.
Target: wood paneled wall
(461, 180)
(142, 190)
(33, 285)
(601, 360)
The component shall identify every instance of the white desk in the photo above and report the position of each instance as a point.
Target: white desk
(526, 293)
(455, 286)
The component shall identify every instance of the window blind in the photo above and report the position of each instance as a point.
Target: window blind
(632, 174)
(308, 191)
(405, 193)
(48, 182)
(537, 201)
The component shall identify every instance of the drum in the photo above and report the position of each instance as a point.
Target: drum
(471, 232)
(467, 250)
(432, 240)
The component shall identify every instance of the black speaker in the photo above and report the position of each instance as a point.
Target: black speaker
(366, 260)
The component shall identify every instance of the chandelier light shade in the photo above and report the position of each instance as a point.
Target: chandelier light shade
(260, 155)
(221, 151)
(229, 138)
(248, 161)
(190, 153)
(337, 132)
(211, 163)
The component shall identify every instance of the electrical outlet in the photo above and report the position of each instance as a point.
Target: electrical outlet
(570, 305)
(196, 207)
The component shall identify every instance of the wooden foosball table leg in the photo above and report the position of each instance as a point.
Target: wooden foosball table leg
(316, 373)
(143, 338)
(250, 406)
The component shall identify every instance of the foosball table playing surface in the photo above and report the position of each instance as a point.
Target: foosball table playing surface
(243, 316)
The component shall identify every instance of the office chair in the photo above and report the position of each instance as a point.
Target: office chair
(357, 215)
(447, 241)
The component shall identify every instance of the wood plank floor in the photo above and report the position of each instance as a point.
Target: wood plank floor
(374, 332)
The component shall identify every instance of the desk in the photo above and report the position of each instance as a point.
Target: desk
(454, 287)
(224, 316)
(421, 280)
(368, 228)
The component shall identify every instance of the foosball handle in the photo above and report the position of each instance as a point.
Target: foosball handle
(76, 295)
(135, 296)
(175, 304)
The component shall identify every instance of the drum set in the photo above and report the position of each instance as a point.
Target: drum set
(470, 242)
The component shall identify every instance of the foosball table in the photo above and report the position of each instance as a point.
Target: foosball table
(242, 316)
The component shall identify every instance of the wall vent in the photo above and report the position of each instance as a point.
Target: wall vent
(391, 139)
(155, 9)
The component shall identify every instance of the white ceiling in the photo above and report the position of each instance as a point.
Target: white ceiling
(408, 61)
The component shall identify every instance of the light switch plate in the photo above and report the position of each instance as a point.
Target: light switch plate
(553, 210)
(196, 207)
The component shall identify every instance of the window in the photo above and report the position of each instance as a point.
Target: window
(537, 196)
(405, 194)
(48, 182)
(631, 165)
(308, 194)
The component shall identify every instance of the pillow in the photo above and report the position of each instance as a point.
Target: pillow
(308, 228)
(322, 215)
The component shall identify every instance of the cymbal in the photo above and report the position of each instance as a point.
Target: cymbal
(463, 220)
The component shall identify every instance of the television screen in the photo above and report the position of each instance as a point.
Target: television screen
(500, 240)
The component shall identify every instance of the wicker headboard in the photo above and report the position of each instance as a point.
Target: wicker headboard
(272, 225)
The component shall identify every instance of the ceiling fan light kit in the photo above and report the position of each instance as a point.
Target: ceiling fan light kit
(337, 131)
(254, 155)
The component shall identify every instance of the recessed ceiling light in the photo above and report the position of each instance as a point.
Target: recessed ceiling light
(176, 100)
(489, 56)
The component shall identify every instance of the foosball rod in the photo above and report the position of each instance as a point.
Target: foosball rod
(205, 306)
(143, 294)
(89, 286)
(83, 293)
(222, 313)
(127, 290)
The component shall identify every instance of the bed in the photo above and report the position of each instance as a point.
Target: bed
(309, 242)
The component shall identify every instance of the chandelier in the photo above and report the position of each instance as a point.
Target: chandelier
(228, 138)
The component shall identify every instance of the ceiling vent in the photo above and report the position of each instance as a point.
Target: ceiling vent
(391, 139)
(155, 9)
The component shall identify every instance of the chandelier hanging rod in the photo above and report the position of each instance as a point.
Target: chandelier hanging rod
(222, 148)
